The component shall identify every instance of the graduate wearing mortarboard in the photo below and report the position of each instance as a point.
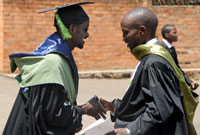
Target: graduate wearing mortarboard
(48, 79)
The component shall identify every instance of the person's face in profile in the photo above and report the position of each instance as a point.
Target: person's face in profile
(172, 35)
(131, 33)
(80, 32)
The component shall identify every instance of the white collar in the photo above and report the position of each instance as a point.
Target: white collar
(152, 41)
(167, 43)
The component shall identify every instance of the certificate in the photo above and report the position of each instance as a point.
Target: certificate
(99, 127)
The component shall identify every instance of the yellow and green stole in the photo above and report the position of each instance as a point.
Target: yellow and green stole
(189, 102)
(52, 68)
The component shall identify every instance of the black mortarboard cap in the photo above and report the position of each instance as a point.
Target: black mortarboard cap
(71, 14)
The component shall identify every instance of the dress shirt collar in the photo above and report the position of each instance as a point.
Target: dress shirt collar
(167, 43)
(152, 41)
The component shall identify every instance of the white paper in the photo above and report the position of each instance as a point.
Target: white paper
(99, 127)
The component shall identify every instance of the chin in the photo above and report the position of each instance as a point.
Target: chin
(131, 48)
(80, 46)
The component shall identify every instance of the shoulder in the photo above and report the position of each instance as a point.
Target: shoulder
(55, 58)
(155, 60)
(55, 61)
(158, 66)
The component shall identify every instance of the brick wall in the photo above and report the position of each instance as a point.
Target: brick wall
(22, 30)
(1, 36)
(187, 22)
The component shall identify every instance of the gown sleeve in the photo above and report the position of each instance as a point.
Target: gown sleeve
(113, 115)
(48, 111)
(160, 89)
(187, 79)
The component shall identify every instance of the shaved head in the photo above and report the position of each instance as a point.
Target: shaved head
(166, 29)
(143, 16)
(138, 26)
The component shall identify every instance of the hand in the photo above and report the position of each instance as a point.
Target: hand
(111, 133)
(118, 131)
(109, 106)
(79, 128)
(194, 85)
(94, 109)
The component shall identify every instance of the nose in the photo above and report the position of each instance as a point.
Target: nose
(87, 35)
(123, 37)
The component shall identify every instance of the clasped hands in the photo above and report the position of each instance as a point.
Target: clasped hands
(94, 108)
(97, 108)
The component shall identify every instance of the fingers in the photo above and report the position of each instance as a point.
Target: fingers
(101, 107)
(103, 101)
(79, 129)
(94, 99)
(102, 115)
(120, 131)
(194, 86)
(97, 117)
(97, 106)
(98, 114)
(107, 105)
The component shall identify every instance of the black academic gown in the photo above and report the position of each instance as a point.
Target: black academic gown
(152, 105)
(43, 113)
(174, 56)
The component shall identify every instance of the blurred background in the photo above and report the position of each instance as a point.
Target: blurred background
(22, 29)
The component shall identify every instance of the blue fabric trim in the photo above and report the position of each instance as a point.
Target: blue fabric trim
(23, 90)
(54, 43)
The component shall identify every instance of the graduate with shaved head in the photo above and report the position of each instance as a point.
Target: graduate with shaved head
(158, 100)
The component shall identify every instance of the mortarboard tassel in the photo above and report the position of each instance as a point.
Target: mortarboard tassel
(63, 30)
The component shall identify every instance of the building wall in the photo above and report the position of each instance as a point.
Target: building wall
(187, 22)
(1, 36)
(23, 29)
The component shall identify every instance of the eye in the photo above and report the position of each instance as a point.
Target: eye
(125, 33)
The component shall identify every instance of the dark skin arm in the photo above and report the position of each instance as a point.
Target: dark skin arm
(109, 106)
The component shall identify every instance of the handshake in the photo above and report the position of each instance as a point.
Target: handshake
(97, 108)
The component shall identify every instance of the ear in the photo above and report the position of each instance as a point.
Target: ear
(166, 35)
(71, 28)
(142, 30)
